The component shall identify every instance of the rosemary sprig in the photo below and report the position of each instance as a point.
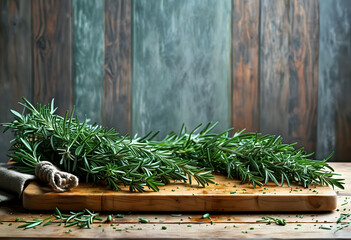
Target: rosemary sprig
(97, 154)
(80, 219)
(342, 217)
(35, 222)
(342, 227)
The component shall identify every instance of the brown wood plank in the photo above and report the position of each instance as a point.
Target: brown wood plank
(52, 52)
(245, 75)
(343, 133)
(15, 62)
(289, 70)
(303, 67)
(116, 102)
(274, 68)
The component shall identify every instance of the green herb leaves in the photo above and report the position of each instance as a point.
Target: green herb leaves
(143, 220)
(80, 219)
(93, 153)
(97, 154)
(271, 219)
(35, 222)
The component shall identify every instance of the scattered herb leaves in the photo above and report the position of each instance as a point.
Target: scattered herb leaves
(276, 220)
(80, 219)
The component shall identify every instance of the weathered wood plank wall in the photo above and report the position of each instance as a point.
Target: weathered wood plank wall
(277, 67)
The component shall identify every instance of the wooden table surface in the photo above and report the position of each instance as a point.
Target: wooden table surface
(191, 225)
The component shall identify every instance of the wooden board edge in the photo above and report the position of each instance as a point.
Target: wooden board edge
(41, 201)
(221, 203)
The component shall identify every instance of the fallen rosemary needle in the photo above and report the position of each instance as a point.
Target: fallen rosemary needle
(342, 217)
(207, 215)
(35, 222)
(143, 220)
(100, 155)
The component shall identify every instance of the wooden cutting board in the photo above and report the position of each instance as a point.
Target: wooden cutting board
(225, 195)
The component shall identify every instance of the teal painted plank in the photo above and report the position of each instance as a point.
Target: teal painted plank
(88, 57)
(334, 99)
(181, 64)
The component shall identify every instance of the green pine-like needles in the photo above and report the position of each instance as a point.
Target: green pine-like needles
(100, 155)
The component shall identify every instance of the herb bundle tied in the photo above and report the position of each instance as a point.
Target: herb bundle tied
(100, 155)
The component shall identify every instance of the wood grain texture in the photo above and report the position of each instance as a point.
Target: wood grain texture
(52, 52)
(274, 67)
(15, 62)
(289, 70)
(224, 196)
(245, 68)
(88, 60)
(303, 67)
(181, 68)
(334, 106)
(116, 102)
(180, 231)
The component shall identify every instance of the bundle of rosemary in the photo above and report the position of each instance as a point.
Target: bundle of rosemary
(97, 154)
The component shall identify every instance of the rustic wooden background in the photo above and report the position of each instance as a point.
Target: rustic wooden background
(277, 67)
